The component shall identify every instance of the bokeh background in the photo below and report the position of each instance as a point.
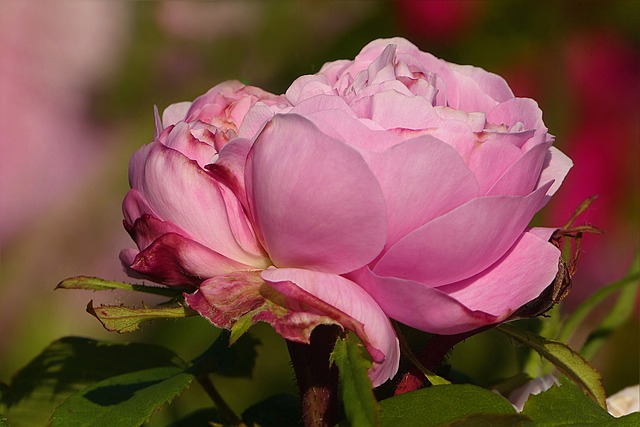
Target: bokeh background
(78, 81)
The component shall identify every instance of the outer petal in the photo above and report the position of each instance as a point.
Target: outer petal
(328, 292)
(556, 166)
(519, 277)
(181, 192)
(462, 242)
(420, 306)
(173, 259)
(175, 113)
(421, 179)
(314, 200)
(489, 160)
(521, 178)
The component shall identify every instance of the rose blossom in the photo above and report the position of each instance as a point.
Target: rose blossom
(393, 185)
(463, 166)
(188, 212)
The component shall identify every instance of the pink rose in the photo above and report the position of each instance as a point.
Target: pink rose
(463, 166)
(202, 217)
(395, 185)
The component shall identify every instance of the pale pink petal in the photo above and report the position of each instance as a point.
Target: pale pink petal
(353, 302)
(521, 178)
(181, 139)
(517, 278)
(421, 179)
(489, 160)
(391, 109)
(420, 306)
(518, 110)
(463, 242)
(181, 192)
(556, 166)
(543, 233)
(175, 113)
(175, 260)
(134, 206)
(147, 228)
(308, 86)
(313, 199)
(229, 167)
(474, 80)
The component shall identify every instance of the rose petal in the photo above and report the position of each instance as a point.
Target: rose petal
(420, 306)
(314, 200)
(181, 139)
(462, 242)
(556, 167)
(489, 160)
(421, 179)
(173, 259)
(328, 292)
(517, 278)
(175, 113)
(522, 176)
(181, 192)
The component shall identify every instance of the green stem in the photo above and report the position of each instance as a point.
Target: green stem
(222, 406)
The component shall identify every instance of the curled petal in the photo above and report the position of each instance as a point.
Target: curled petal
(517, 278)
(176, 260)
(344, 301)
(313, 199)
(463, 242)
(175, 113)
(181, 192)
(556, 166)
(420, 306)
(421, 179)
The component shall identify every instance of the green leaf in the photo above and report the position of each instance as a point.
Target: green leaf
(98, 284)
(360, 404)
(447, 405)
(222, 358)
(618, 315)
(124, 400)
(241, 326)
(69, 365)
(3, 421)
(564, 358)
(121, 319)
(275, 411)
(565, 405)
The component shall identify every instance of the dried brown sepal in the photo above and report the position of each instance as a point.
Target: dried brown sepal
(559, 289)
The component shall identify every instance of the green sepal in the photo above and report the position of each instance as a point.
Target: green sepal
(97, 284)
(122, 319)
(360, 405)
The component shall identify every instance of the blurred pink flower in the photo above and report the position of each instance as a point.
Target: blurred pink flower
(52, 54)
(438, 19)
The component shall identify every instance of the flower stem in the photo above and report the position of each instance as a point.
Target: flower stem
(317, 379)
(222, 406)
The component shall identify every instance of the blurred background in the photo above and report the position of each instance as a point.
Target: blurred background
(78, 81)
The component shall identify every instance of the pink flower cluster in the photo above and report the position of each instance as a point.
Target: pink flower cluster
(392, 186)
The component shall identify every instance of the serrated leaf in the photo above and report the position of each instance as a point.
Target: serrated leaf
(444, 405)
(275, 411)
(122, 319)
(98, 284)
(241, 326)
(124, 400)
(360, 404)
(69, 365)
(564, 405)
(222, 358)
(564, 358)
